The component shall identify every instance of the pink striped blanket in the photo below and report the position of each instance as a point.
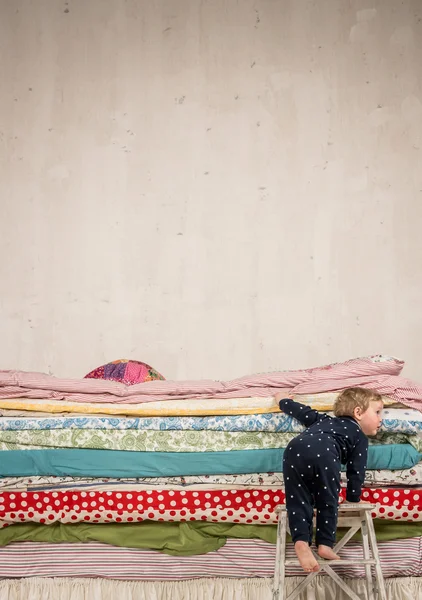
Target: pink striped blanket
(238, 558)
(373, 372)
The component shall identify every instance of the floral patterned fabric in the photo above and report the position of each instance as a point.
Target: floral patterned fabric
(398, 438)
(143, 441)
(164, 441)
(394, 420)
(270, 422)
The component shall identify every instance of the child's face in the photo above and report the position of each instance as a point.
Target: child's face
(370, 420)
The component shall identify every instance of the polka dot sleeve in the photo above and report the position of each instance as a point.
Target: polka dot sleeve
(355, 470)
(304, 414)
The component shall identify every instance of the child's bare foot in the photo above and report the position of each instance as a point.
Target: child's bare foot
(307, 560)
(327, 552)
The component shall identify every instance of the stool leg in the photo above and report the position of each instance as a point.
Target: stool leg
(279, 591)
(382, 595)
(367, 556)
(344, 586)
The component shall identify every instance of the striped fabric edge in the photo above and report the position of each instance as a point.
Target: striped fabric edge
(363, 366)
(376, 372)
(236, 559)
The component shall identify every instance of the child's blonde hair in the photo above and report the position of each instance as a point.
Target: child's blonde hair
(349, 399)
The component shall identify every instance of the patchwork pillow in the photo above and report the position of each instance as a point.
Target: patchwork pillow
(125, 371)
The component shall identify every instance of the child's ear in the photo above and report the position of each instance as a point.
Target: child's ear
(357, 412)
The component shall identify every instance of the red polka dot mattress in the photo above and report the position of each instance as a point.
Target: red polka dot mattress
(230, 505)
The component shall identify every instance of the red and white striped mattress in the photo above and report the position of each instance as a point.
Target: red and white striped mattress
(221, 505)
(238, 558)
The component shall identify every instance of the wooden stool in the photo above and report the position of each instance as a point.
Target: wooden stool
(355, 516)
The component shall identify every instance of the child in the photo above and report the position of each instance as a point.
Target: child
(311, 466)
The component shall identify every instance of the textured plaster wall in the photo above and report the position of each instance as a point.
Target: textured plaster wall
(217, 187)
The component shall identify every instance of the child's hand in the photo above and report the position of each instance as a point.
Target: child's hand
(280, 396)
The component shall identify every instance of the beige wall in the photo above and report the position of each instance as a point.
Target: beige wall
(217, 187)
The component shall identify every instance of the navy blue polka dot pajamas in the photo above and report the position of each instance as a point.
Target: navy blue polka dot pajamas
(311, 469)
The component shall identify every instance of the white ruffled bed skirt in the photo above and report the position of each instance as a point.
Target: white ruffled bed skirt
(322, 588)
